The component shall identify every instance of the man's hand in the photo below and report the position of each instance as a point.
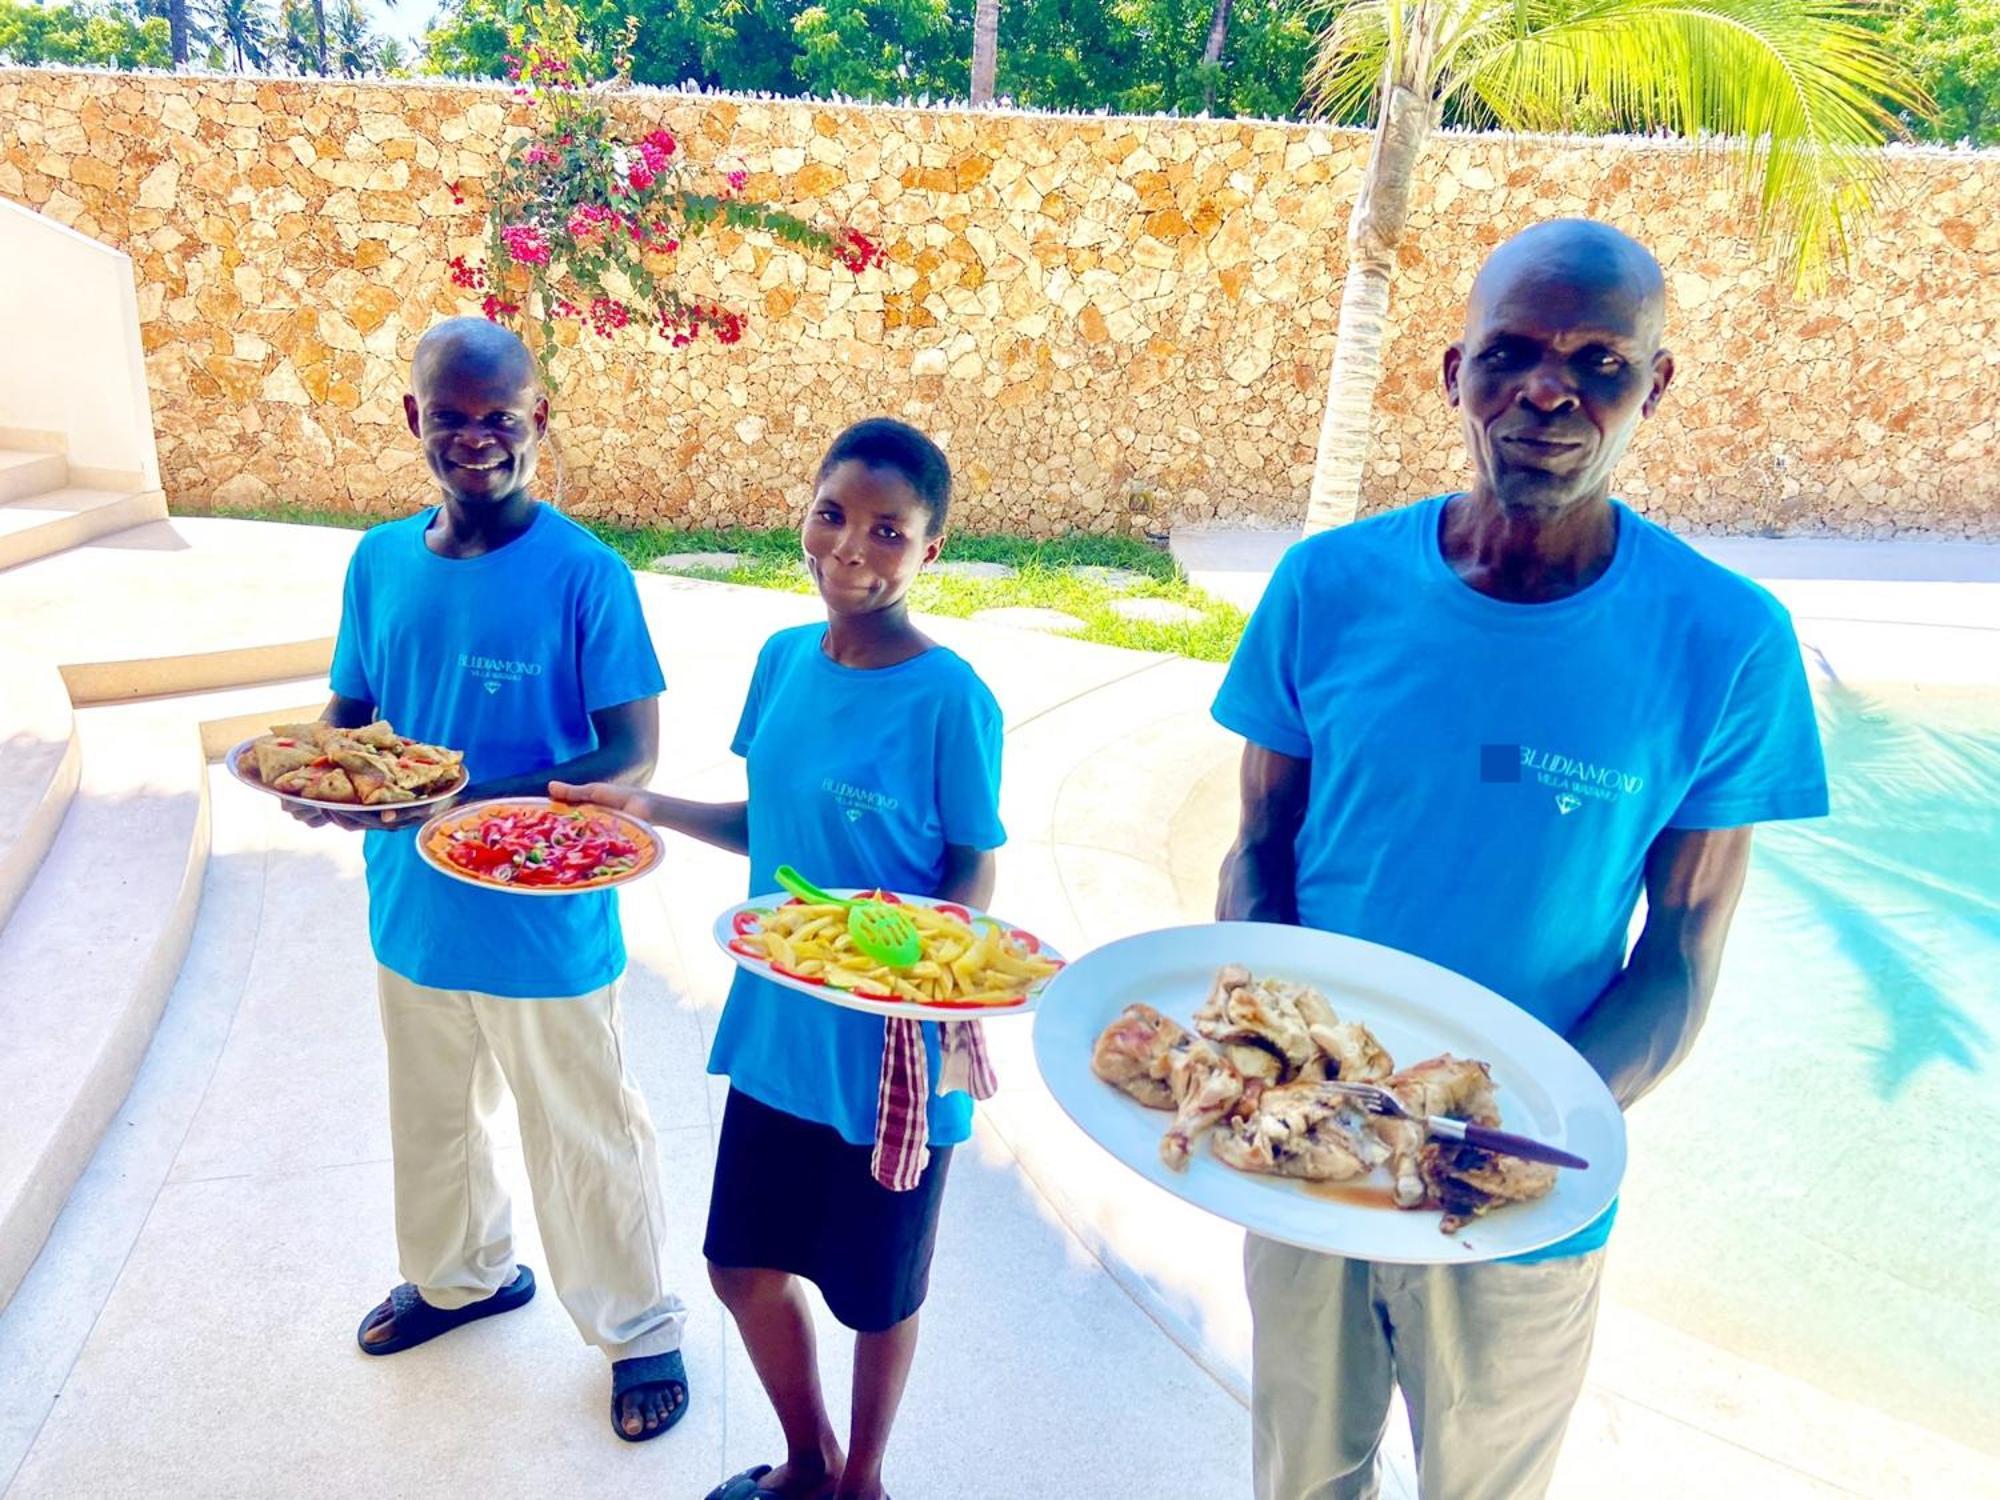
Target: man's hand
(366, 819)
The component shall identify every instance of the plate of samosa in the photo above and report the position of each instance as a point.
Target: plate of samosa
(373, 766)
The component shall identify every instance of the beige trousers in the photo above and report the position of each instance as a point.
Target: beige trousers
(1490, 1359)
(593, 1161)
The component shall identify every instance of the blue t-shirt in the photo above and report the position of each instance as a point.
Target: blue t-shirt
(857, 778)
(1488, 777)
(505, 657)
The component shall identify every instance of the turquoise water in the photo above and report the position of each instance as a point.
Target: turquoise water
(1819, 1187)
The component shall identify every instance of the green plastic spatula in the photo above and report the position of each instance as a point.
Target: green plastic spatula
(879, 930)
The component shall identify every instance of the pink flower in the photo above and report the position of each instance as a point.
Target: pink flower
(641, 177)
(608, 315)
(656, 150)
(472, 278)
(589, 222)
(526, 244)
(539, 155)
(856, 251)
(737, 179)
(496, 307)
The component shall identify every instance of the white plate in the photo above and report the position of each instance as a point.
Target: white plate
(652, 847)
(1415, 1008)
(248, 776)
(727, 928)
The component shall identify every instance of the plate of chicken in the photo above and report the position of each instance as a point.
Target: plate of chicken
(1242, 1067)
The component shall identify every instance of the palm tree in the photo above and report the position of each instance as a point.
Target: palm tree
(242, 29)
(356, 51)
(1211, 55)
(1803, 87)
(985, 49)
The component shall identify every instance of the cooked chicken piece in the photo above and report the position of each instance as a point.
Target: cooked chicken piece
(1299, 1130)
(1272, 1014)
(1135, 1053)
(1447, 1085)
(1206, 1087)
(1357, 1056)
(1467, 1181)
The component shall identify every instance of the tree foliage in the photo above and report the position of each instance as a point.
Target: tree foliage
(104, 34)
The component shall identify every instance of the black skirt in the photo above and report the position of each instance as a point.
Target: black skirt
(793, 1195)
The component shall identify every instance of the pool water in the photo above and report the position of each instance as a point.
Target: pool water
(1818, 1188)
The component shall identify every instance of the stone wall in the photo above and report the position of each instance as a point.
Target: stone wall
(1108, 322)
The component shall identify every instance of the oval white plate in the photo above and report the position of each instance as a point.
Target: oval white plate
(653, 848)
(727, 930)
(1415, 1008)
(248, 776)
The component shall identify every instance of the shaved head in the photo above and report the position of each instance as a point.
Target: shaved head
(476, 404)
(1559, 363)
(1591, 259)
(473, 345)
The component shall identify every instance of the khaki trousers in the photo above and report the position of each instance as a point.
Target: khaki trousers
(592, 1158)
(1490, 1359)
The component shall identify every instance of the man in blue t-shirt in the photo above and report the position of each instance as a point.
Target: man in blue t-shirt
(496, 626)
(1478, 729)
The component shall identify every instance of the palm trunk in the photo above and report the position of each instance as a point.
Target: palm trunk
(177, 28)
(985, 49)
(319, 28)
(1211, 55)
(1381, 211)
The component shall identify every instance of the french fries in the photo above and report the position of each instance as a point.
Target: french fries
(960, 968)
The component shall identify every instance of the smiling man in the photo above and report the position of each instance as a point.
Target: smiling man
(493, 624)
(1479, 728)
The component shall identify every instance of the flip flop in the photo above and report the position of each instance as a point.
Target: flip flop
(417, 1322)
(652, 1369)
(744, 1486)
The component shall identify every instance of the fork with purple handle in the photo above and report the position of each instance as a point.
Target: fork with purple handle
(1379, 1101)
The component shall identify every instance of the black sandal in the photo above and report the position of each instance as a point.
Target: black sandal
(628, 1375)
(417, 1322)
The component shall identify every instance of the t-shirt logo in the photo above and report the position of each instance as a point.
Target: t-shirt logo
(856, 802)
(1573, 781)
(496, 672)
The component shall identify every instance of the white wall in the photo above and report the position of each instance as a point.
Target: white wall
(70, 357)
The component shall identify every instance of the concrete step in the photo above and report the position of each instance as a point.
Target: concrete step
(25, 472)
(90, 954)
(40, 758)
(56, 520)
(115, 612)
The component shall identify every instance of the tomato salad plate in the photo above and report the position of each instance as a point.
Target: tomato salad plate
(530, 846)
(1212, 1059)
(973, 966)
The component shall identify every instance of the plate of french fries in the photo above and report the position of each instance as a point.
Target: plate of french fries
(973, 965)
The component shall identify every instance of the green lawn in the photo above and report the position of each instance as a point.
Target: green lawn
(770, 559)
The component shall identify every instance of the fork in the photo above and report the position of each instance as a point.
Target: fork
(1379, 1101)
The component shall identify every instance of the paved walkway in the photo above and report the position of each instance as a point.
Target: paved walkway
(188, 1331)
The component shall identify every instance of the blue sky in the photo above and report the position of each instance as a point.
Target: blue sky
(406, 20)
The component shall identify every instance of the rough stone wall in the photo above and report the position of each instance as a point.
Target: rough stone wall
(1109, 323)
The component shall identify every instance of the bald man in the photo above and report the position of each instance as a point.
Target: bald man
(493, 624)
(1478, 728)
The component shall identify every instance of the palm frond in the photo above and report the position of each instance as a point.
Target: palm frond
(1801, 87)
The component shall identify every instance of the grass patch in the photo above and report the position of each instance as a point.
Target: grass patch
(770, 559)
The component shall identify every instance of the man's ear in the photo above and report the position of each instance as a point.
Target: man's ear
(1454, 358)
(933, 547)
(541, 417)
(410, 415)
(1663, 376)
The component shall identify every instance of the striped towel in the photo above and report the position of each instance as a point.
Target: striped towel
(902, 1116)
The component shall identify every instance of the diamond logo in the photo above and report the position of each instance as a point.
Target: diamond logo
(854, 814)
(492, 685)
(1566, 804)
